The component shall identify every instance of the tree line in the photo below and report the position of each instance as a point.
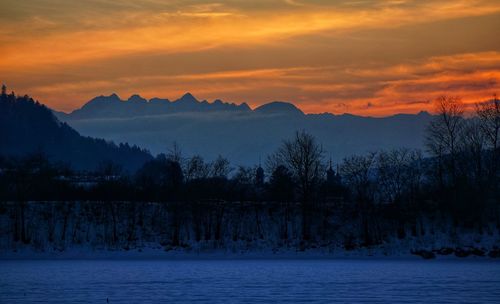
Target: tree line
(456, 177)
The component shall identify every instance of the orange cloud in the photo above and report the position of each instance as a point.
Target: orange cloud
(367, 57)
(203, 27)
(370, 91)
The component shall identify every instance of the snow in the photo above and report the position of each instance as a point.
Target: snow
(245, 281)
(143, 230)
(91, 252)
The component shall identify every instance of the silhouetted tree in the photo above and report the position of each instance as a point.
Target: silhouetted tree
(357, 172)
(175, 153)
(489, 115)
(443, 133)
(196, 168)
(303, 157)
(259, 176)
(161, 177)
(399, 174)
(472, 141)
(220, 167)
(281, 185)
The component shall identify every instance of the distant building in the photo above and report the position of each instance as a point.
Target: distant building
(332, 177)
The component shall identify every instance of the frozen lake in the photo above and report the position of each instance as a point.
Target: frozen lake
(249, 281)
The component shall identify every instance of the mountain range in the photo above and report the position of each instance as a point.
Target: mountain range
(243, 135)
(113, 107)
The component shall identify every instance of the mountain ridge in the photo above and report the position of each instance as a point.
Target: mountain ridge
(108, 106)
(241, 134)
(136, 105)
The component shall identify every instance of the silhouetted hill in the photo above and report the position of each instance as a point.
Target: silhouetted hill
(28, 127)
(279, 107)
(237, 132)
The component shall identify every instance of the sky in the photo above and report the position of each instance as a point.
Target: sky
(363, 57)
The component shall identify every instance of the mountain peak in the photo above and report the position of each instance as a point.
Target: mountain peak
(137, 98)
(188, 98)
(245, 107)
(423, 113)
(112, 96)
(279, 107)
(103, 99)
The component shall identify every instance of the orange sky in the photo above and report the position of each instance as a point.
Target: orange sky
(362, 57)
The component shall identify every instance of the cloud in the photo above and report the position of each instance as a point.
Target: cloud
(324, 55)
(98, 33)
(370, 91)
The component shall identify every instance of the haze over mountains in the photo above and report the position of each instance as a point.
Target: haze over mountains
(236, 131)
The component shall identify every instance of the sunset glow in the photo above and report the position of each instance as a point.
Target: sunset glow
(363, 57)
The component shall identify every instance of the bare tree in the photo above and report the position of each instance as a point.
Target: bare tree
(414, 174)
(244, 175)
(398, 173)
(473, 143)
(196, 168)
(303, 157)
(489, 115)
(444, 131)
(356, 171)
(175, 153)
(220, 167)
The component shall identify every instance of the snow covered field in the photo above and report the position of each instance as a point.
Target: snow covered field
(244, 281)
